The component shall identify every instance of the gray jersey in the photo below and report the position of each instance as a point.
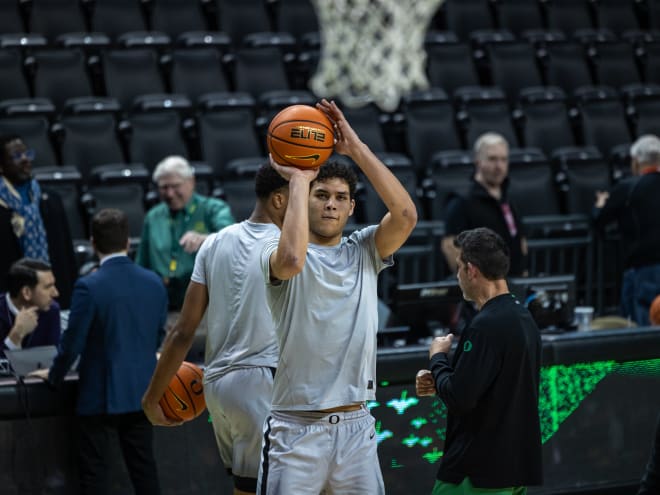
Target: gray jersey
(326, 319)
(240, 328)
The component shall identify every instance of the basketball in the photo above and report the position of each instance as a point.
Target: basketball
(184, 398)
(301, 136)
(654, 311)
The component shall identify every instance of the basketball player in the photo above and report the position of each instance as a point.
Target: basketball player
(241, 349)
(321, 288)
(491, 386)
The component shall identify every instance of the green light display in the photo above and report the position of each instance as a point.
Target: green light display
(562, 389)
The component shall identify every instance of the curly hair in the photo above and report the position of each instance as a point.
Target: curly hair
(338, 170)
(267, 181)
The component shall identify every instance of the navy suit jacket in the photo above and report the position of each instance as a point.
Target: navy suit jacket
(116, 323)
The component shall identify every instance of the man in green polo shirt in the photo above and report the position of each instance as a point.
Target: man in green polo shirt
(174, 230)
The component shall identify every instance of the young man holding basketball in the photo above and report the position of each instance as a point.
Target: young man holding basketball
(241, 349)
(321, 288)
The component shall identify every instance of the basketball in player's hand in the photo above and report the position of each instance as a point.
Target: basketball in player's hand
(184, 398)
(301, 136)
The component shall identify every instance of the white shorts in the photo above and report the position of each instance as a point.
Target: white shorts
(313, 453)
(239, 403)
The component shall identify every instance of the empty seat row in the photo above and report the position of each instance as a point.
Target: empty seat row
(544, 118)
(466, 16)
(267, 65)
(55, 17)
(222, 127)
(567, 63)
(59, 74)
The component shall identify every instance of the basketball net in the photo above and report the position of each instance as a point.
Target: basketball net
(372, 50)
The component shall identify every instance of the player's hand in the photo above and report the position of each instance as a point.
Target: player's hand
(191, 241)
(424, 384)
(601, 198)
(441, 344)
(346, 139)
(288, 172)
(42, 373)
(25, 323)
(155, 415)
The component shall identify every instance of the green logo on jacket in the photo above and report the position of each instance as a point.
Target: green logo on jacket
(467, 346)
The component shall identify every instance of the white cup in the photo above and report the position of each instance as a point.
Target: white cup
(583, 317)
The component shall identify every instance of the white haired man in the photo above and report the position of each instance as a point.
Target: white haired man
(174, 230)
(633, 204)
(487, 204)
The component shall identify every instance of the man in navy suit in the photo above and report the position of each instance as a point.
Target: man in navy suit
(116, 324)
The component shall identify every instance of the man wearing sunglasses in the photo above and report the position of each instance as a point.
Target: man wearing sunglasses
(21, 224)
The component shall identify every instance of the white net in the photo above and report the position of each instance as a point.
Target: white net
(372, 50)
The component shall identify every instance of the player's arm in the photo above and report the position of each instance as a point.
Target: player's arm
(177, 344)
(289, 257)
(401, 218)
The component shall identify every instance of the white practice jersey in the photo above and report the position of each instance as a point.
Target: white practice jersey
(240, 328)
(326, 319)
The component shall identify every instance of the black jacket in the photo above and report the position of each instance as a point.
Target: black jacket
(491, 390)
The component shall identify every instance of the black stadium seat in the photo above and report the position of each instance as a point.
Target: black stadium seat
(430, 126)
(226, 127)
(544, 119)
(12, 78)
(114, 17)
(54, 17)
(177, 16)
(61, 74)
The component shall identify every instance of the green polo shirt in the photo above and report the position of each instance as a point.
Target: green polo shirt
(159, 248)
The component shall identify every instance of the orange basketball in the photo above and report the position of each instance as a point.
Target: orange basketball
(301, 136)
(654, 311)
(184, 398)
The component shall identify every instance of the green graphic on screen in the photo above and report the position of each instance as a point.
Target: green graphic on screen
(418, 424)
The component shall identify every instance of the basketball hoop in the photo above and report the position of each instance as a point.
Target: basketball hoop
(372, 50)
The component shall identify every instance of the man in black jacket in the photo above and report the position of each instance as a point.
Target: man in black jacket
(491, 385)
(633, 204)
(487, 204)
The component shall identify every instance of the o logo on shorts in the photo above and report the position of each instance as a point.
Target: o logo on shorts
(334, 419)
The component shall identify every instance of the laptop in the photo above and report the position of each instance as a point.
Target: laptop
(24, 361)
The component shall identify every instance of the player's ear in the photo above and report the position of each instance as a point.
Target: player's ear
(350, 212)
(279, 200)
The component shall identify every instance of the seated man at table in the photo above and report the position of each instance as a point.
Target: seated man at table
(29, 314)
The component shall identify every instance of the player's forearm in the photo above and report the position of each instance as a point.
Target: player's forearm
(397, 200)
(291, 253)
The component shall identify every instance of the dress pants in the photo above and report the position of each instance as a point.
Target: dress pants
(136, 441)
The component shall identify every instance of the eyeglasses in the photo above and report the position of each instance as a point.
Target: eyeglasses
(175, 186)
(17, 156)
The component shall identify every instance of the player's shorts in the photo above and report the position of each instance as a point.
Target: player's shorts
(239, 402)
(312, 453)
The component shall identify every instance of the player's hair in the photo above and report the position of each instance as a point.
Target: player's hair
(646, 150)
(338, 170)
(110, 231)
(486, 250)
(173, 165)
(23, 273)
(486, 140)
(267, 181)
